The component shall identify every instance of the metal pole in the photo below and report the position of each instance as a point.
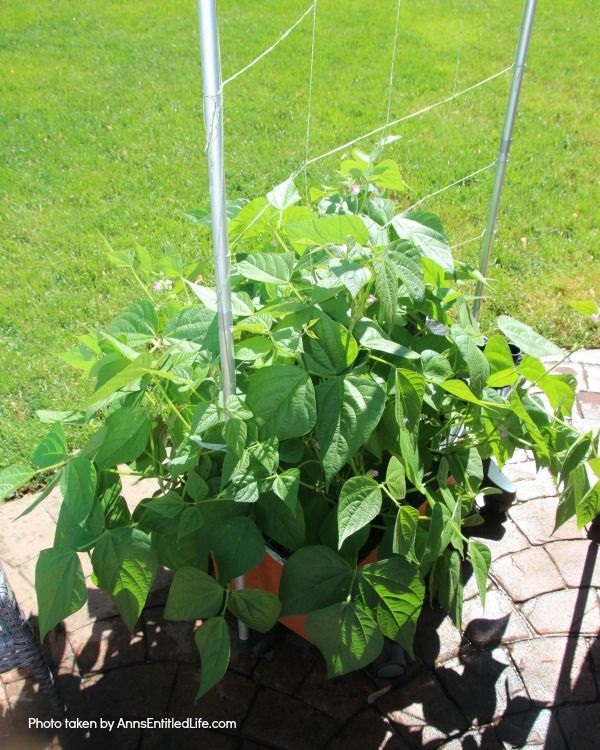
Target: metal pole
(505, 141)
(213, 123)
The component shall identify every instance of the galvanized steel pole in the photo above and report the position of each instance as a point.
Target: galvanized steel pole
(213, 123)
(505, 141)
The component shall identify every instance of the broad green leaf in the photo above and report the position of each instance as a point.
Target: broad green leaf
(576, 489)
(410, 389)
(49, 416)
(594, 464)
(205, 416)
(346, 635)
(314, 577)
(466, 467)
(436, 367)
(12, 478)
(258, 609)
(196, 486)
(247, 491)
(481, 559)
(359, 503)
(394, 588)
(407, 263)
(286, 486)
(253, 348)
(589, 506)
(237, 408)
(152, 514)
(560, 389)
(464, 393)
(476, 363)
(500, 359)
(282, 520)
(525, 410)
(60, 586)
(53, 448)
(190, 520)
(193, 595)
(451, 511)
(433, 542)
(43, 494)
(348, 410)
(78, 483)
(282, 398)
(526, 338)
(241, 304)
(372, 337)
(386, 288)
(405, 531)
(386, 174)
(287, 335)
(430, 242)
(80, 520)
(428, 219)
(202, 216)
(125, 379)
(126, 435)
(111, 502)
(194, 324)
(395, 479)
(283, 195)
(238, 546)
(235, 433)
(125, 564)
(329, 534)
(258, 323)
(176, 552)
(264, 457)
(353, 276)
(80, 357)
(137, 325)
(327, 230)
(252, 220)
(449, 585)
(213, 644)
(332, 351)
(269, 268)
(376, 212)
(127, 352)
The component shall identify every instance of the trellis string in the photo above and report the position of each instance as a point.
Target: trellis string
(308, 161)
(393, 64)
(460, 181)
(404, 118)
(270, 49)
(310, 93)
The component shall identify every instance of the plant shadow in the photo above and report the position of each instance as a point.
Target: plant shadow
(467, 691)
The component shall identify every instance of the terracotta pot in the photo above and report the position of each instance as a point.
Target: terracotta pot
(267, 576)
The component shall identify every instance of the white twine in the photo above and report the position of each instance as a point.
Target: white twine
(487, 167)
(393, 65)
(310, 94)
(271, 48)
(397, 121)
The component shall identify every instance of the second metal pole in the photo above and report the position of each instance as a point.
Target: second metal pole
(213, 123)
(507, 131)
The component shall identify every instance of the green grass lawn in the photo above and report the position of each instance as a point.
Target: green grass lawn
(101, 134)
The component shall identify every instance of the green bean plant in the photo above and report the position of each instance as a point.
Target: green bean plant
(367, 403)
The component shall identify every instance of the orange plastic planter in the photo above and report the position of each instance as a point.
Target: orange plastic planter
(267, 576)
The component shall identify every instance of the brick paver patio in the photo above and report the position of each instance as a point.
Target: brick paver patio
(524, 673)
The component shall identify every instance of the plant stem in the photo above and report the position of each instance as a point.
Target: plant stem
(172, 406)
